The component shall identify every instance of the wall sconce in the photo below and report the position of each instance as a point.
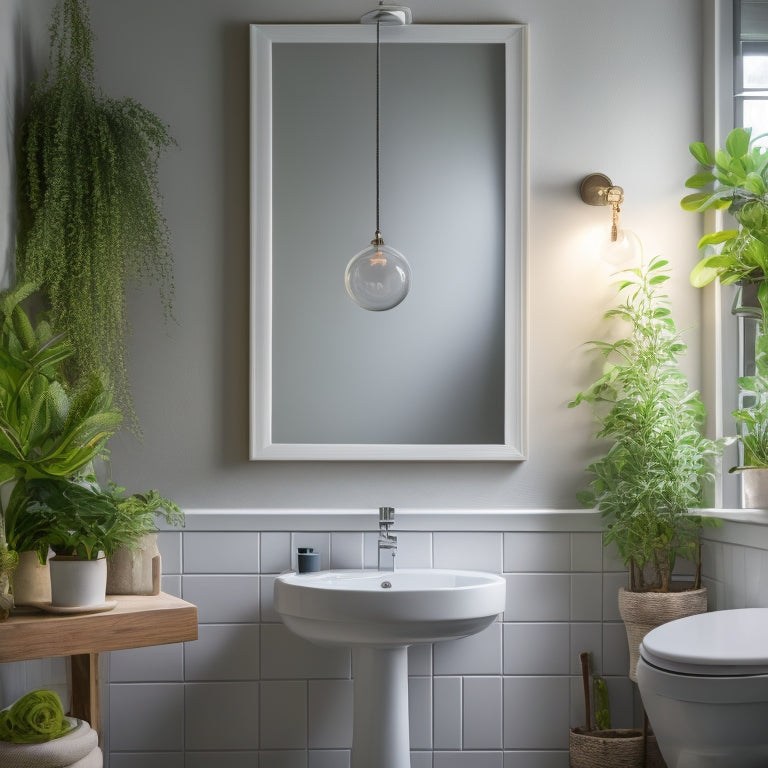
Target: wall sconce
(624, 244)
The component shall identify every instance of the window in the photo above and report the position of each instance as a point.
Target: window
(751, 65)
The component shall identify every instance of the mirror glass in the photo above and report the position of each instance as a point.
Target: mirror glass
(440, 376)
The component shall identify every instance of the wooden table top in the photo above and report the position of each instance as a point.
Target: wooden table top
(136, 621)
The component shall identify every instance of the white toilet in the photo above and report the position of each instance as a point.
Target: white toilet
(704, 684)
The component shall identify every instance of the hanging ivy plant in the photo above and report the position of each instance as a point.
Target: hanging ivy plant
(89, 206)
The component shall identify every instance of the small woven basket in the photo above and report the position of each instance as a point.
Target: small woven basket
(644, 611)
(615, 748)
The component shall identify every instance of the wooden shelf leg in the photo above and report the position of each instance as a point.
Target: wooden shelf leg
(85, 689)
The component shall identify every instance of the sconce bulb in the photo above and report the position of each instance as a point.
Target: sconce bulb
(625, 251)
(378, 278)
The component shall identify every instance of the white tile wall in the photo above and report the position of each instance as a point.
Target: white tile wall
(250, 693)
(447, 723)
(330, 714)
(146, 716)
(221, 716)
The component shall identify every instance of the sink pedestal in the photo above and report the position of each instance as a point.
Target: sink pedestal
(380, 731)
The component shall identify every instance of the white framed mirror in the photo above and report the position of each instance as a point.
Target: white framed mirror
(442, 375)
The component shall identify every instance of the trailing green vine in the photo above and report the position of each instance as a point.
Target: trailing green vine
(89, 214)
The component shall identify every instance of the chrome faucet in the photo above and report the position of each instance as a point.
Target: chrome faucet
(387, 540)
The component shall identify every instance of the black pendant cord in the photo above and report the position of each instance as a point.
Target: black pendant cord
(378, 128)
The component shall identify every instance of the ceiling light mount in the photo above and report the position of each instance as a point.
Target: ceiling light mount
(388, 15)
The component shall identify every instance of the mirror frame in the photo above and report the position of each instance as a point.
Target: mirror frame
(514, 39)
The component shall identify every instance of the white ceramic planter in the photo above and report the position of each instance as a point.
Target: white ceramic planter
(754, 488)
(78, 583)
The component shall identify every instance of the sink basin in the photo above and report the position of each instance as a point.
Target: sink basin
(379, 614)
(388, 608)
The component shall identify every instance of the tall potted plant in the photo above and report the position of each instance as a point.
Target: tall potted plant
(48, 428)
(652, 473)
(89, 214)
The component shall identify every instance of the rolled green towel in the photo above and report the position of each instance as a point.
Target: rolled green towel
(36, 717)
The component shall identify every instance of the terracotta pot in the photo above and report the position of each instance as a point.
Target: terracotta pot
(135, 571)
(643, 611)
(754, 488)
(78, 583)
(31, 582)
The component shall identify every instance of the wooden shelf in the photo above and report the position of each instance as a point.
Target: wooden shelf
(136, 621)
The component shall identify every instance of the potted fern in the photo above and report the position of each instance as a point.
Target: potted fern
(657, 460)
(134, 567)
(89, 213)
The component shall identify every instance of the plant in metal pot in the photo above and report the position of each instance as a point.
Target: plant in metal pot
(657, 460)
(89, 204)
(752, 421)
(734, 178)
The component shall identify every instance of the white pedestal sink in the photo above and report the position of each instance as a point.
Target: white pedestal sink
(379, 614)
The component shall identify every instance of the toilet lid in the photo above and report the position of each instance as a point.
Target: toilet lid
(733, 642)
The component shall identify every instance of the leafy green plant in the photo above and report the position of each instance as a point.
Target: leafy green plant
(141, 510)
(89, 215)
(653, 471)
(733, 178)
(48, 428)
(72, 518)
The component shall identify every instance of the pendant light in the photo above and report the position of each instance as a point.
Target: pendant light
(379, 277)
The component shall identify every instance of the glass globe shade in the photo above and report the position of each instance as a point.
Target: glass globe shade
(625, 252)
(378, 278)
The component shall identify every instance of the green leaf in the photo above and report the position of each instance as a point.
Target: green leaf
(754, 183)
(702, 154)
(699, 180)
(702, 275)
(737, 142)
(715, 238)
(695, 202)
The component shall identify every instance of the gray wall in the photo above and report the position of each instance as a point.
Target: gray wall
(615, 87)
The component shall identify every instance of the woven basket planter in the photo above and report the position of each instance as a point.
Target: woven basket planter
(643, 611)
(615, 748)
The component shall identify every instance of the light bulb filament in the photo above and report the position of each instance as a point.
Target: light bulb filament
(378, 259)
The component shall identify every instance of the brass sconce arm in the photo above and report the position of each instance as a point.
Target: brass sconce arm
(598, 189)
